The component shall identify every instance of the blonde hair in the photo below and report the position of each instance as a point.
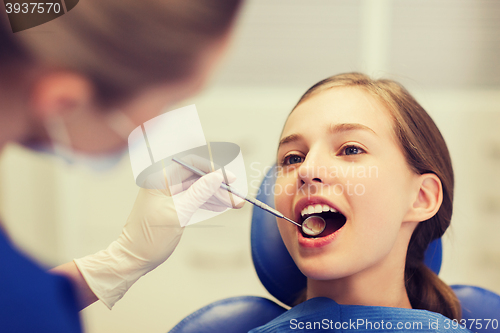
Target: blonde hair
(426, 152)
(123, 45)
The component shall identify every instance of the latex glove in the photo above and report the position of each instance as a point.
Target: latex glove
(153, 229)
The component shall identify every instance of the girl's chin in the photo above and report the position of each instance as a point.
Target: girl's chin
(323, 278)
(318, 273)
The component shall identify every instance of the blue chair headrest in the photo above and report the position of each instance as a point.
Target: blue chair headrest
(274, 265)
(235, 315)
(478, 303)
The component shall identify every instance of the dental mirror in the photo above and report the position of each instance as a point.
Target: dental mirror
(313, 225)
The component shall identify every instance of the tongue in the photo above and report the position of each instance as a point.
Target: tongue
(333, 223)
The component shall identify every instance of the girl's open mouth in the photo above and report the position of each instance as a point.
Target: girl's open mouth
(334, 222)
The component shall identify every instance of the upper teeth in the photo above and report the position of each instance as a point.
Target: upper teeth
(312, 209)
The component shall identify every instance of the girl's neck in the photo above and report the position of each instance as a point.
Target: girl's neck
(379, 285)
(359, 290)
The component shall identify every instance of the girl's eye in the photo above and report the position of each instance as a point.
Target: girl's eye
(292, 159)
(352, 150)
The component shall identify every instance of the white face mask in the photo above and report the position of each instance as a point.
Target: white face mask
(61, 143)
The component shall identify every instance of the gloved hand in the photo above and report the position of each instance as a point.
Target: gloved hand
(154, 227)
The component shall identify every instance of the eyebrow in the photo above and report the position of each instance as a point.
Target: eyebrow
(333, 129)
(290, 138)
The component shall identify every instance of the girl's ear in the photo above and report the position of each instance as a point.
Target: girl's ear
(428, 200)
(58, 92)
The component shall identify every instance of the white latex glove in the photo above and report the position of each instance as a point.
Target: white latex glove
(153, 229)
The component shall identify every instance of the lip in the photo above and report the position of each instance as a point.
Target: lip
(315, 242)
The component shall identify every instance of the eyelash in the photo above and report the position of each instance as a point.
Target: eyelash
(286, 158)
(353, 146)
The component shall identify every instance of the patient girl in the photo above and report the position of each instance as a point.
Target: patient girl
(367, 157)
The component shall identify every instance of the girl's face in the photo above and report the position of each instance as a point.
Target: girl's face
(340, 159)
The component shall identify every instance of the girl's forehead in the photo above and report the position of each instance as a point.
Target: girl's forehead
(340, 105)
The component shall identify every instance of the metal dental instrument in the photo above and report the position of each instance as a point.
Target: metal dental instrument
(313, 225)
(255, 202)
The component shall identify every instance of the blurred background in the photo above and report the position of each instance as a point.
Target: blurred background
(446, 52)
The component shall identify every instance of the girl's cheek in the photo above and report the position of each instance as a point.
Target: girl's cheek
(280, 196)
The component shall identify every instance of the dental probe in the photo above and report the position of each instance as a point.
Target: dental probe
(228, 188)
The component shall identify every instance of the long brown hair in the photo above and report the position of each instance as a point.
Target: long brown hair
(121, 45)
(426, 152)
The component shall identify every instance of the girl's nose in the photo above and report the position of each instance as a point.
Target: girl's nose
(312, 171)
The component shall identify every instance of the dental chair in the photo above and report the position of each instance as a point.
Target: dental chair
(281, 277)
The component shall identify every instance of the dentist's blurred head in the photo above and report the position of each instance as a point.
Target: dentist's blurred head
(106, 66)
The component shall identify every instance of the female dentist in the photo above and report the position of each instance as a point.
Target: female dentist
(81, 83)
